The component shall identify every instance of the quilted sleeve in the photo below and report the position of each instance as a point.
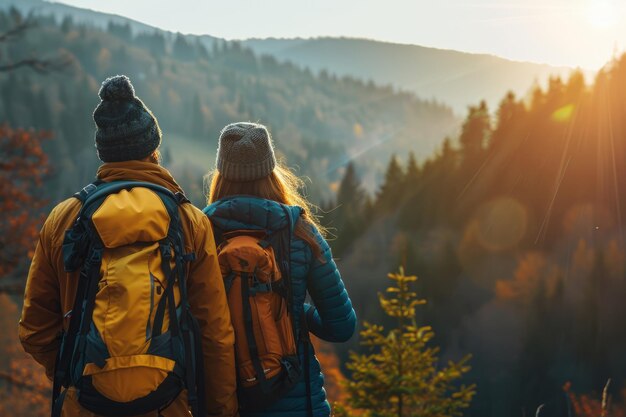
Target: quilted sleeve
(42, 320)
(207, 298)
(332, 317)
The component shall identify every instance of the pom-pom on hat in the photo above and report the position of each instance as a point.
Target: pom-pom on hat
(245, 152)
(125, 128)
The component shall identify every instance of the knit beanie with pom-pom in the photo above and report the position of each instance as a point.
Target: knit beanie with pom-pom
(125, 128)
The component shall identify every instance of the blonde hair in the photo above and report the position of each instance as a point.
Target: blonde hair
(282, 186)
(154, 157)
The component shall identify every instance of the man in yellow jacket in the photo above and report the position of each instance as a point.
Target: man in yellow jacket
(127, 140)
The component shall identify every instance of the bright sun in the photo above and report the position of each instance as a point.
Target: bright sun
(602, 13)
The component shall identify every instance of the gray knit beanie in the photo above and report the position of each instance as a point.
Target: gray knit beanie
(126, 129)
(245, 152)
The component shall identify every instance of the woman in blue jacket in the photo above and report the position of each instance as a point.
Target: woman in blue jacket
(250, 190)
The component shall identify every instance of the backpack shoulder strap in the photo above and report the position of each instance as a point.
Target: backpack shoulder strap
(87, 190)
(304, 329)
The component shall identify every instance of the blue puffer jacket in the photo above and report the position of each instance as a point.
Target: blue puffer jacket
(331, 318)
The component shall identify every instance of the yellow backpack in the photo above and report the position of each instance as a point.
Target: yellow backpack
(132, 344)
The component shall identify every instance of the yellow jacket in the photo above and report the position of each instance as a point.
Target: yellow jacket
(50, 292)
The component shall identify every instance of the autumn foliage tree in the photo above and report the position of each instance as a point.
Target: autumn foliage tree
(400, 376)
(23, 166)
(584, 405)
(23, 163)
(334, 379)
(24, 388)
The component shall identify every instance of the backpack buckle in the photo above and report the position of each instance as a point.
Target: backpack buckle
(89, 188)
(96, 255)
(95, 258)
(228, 281)
(166, 251)
(181, 198)
(292, 372)
(258, 286)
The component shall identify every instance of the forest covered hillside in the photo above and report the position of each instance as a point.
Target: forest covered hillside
(318, 121)
(516, 231)
(83, 16)
(453, 77)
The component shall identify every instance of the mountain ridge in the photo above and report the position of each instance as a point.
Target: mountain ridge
(398, 43)
(457, 78)
(86, 15)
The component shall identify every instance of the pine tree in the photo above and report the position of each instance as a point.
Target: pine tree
(349, 217)
(182, 49)
(155, 42)
(350, 191)
(123, 30)
(475, 132)
(400, 376)
(509, 114)
(575, 85)
(67, 24)
(412, 171)
(392, 186)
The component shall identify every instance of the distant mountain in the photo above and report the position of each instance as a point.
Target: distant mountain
(455, 78)
(84, 16)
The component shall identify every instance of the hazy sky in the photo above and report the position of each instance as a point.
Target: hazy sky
(562, 32)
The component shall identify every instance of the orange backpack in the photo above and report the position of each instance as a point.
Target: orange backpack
(260, 301)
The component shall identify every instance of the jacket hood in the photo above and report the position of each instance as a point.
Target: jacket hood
(138, 171)
(248, 212)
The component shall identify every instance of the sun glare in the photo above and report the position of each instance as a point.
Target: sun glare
(602, 14)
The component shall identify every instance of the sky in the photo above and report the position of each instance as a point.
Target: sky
(576, 33)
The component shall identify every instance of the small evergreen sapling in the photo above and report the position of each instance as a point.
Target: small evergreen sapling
(400, 376)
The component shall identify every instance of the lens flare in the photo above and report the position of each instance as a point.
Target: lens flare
(563, 114)
(502, 224)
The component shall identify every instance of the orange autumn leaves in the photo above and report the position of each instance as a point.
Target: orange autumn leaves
(535, 271)
(585, 405)
(23, 167)
(24, 388)
(334, 379)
